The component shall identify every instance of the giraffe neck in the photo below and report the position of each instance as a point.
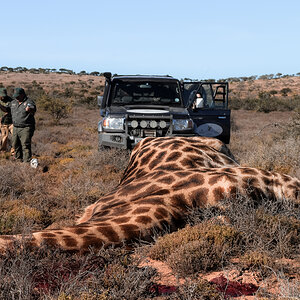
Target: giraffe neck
(164, 178)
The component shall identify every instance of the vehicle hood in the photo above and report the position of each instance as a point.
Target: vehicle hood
(146, 110)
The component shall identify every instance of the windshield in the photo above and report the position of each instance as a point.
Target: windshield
(146, 92)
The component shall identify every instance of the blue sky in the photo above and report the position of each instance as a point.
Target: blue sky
(188, 38)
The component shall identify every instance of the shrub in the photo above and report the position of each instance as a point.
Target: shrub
(18, 216)
(57, 107)
(273, 226)
(281, 234)
(293, 127)
(90, 101)
(68, 92)
(256, 260)
(203, 247)
(84, 91)
(266, 102)
(273, 92)
(274, 148)
(11, 182)
(239, 103)
(197, 256)
(201, 289)
(285, 91)
(7, 223)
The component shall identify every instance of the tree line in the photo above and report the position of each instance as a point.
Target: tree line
(248, 78)
(47, 71)
(96, 73)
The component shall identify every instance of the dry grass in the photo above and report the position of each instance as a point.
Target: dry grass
(250, 89)
(73, 174)
(203, 247)
(198, 289)
(267, 141)
(259, 233)
(246, 89)
(51, 274)
(49, 82)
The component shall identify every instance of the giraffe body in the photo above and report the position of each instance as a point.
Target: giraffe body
(164, 178)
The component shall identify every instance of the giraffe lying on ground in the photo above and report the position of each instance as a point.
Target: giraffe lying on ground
(164, 178)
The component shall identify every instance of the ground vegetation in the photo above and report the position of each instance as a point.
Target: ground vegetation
(260, 241)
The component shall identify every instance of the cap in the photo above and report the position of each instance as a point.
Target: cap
(3, 92)
(18, 92)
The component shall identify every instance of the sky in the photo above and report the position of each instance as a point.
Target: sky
(185, 39)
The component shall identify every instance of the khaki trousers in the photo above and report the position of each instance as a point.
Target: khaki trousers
(21, 142)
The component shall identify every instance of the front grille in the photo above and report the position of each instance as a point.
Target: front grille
(144, 126)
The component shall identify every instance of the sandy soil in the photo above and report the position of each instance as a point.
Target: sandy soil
(273, 285)
(50, 81)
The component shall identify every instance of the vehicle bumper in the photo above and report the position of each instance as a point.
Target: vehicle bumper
(110, 139)
(120, 140)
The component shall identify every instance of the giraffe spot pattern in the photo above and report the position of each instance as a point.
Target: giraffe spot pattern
(143, 220)
(199, 197)
(141, 210)
(121, 220)
(109, 233)
(165, 177)
(70, 242)
(179, 201)
(219, 193)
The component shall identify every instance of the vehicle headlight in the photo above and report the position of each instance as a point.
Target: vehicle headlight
(182, 124)
(113, 123)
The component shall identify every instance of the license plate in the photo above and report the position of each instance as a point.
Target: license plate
(151, 133)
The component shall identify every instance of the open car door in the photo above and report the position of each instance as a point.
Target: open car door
(207, 103)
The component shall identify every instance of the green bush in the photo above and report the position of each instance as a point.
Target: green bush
(68, 92)
(57, 107)
(197, 256)
(206, 246)
(90, 101)
(256, 260)
(266, 102)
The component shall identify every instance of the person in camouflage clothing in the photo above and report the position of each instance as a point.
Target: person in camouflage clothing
(6, 119)
(22, 111)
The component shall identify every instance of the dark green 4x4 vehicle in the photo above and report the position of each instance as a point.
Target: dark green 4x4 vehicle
(135, 107)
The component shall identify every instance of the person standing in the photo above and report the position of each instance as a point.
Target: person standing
(22, 111)
(6, 119)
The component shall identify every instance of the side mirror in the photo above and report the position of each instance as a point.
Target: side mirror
(99, 100)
